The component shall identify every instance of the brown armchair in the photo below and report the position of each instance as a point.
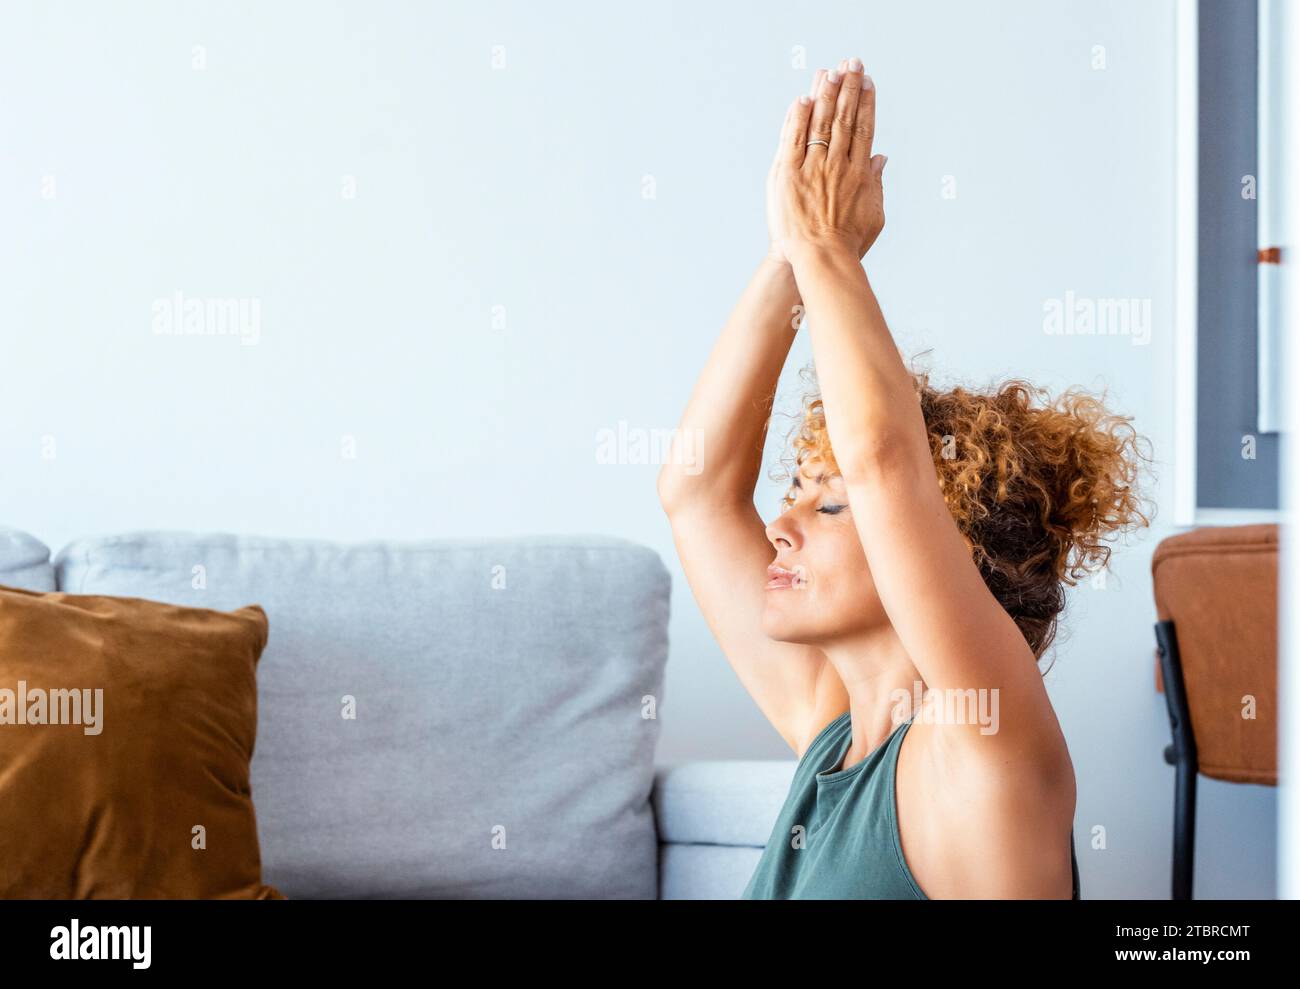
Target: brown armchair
(1216, 592)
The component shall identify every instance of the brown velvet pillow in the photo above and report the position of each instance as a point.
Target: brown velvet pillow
(141, 790)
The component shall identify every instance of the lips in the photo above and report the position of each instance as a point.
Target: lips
(779, 578)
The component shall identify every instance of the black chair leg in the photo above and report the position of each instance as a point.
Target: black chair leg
(1182, 755)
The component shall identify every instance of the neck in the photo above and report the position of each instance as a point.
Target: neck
(882, 686)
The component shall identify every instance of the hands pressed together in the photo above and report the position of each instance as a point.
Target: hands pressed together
(827, 196)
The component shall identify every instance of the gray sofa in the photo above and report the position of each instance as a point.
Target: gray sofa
(507, 698)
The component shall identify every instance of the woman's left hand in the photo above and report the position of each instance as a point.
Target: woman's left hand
(829, 196)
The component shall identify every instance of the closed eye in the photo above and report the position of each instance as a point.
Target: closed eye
(832, 509)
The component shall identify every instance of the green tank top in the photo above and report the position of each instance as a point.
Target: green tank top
(836, 838)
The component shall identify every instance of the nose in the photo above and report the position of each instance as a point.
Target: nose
(783, 532)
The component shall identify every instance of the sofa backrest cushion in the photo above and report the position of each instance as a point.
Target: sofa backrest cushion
(24, 561)
(455, 718)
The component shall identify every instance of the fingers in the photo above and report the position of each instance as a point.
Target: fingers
(823, 115)
(795, 134)
(846, 110)
(842, 113)
(796, 129)
(864, 124)
(817, 84)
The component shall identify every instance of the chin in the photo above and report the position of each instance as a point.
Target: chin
(780, 628)
(772, 625)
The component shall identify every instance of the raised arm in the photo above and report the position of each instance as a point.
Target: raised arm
(716, 455)
(955, 632)
(709, 499)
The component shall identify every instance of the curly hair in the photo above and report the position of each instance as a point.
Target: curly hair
(1036, 489)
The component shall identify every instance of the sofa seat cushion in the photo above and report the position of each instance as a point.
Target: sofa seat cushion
(721, 802)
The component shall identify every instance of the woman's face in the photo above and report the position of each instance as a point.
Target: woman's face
(826, 591)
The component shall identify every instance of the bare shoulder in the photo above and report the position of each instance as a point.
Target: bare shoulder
(986, 822)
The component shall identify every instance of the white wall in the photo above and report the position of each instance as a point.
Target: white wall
(522, 188)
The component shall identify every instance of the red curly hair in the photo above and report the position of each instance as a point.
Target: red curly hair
(1036, 489)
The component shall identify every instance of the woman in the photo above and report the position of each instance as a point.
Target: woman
(921, 554)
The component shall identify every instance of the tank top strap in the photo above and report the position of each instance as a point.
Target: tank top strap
(828, 736)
